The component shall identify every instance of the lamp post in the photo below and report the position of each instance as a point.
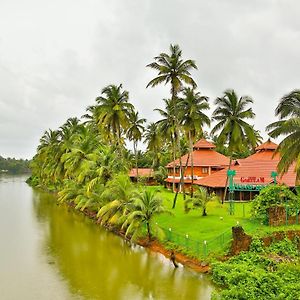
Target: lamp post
(230, 174)
(274, 176)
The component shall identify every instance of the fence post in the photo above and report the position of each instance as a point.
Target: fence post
(205, 248)
(170, 233)
(187, 241)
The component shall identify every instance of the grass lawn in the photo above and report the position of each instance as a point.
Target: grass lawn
(211, 227)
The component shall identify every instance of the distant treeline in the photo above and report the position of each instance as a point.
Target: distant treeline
(14, 166)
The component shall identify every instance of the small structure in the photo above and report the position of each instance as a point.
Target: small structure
(146, 174)
(205, 161)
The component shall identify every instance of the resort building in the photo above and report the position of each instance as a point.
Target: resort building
(257, 169)
(205, 159)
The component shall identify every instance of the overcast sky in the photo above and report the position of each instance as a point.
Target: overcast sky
(56, 56)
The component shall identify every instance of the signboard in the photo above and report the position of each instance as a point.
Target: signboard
(247, 187)
(252, 179)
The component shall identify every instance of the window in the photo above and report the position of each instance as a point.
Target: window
(204, 170)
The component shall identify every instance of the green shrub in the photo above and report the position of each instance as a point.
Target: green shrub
(256, 275)
(273, 195)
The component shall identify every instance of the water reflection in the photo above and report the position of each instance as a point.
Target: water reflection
(99, 265)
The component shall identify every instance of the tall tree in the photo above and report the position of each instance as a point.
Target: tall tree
(288, 111)
(193, 119)
(113, 111)
(134, 132)
(230, 115)
(176, 71)
(153, 139)
(119, 191)
(202, 197)
(167, 127)
(172, 69)
(146, 205)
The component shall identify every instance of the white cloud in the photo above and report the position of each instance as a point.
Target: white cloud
(56, 56)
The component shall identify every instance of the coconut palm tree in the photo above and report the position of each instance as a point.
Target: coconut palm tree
(288, 111)
(153, 139)
(146, 205)
(173, 69)
(167, 127)
(193, 119)
(230, 115)
(201, 199)
(112, 112)
(134, 132)
(119, 193)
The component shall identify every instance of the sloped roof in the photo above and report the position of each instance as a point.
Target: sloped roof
(268, 145)
(143, 172)
(250, 168)
(265, 151)
(176, 180)
(203, 144)
(203, 157)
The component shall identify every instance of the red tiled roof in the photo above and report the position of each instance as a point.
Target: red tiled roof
(204, 144)
(177, 180)
(265, 151)
(203, 157)
(250, 168)
(268, 145)
(143, 172)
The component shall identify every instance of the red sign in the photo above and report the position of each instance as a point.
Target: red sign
(253, 179)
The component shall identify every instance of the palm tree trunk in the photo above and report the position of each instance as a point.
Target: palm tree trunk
(136, 160)
(226, 184)
(192, 164)
(177, 139)
(174, 167)
(148, 231)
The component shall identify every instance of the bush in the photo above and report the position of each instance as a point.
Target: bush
(273, 195)
(256, 275)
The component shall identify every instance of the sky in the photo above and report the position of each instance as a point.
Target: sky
(56, 56)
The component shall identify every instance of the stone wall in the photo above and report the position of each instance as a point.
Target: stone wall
(277, 216)
(242, 241)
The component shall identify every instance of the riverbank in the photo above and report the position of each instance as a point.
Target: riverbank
(271, 260)
(154, 245)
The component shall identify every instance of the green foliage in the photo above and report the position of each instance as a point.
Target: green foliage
(160, 175)
(255, 275)
(119, 193)
(284, 248)
(273, 195)
(231, 115)
(200, 200)
(14, 166)
(288, 126)
(146, 205)
(256, 245)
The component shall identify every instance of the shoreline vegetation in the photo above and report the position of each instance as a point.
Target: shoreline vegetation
(14, 166)
(86, 162)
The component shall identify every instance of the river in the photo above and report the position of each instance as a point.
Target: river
(49, 251)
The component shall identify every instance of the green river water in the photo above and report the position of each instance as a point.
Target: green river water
(51, 252)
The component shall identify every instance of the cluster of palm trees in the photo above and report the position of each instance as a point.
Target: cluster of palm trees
(86, 159)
